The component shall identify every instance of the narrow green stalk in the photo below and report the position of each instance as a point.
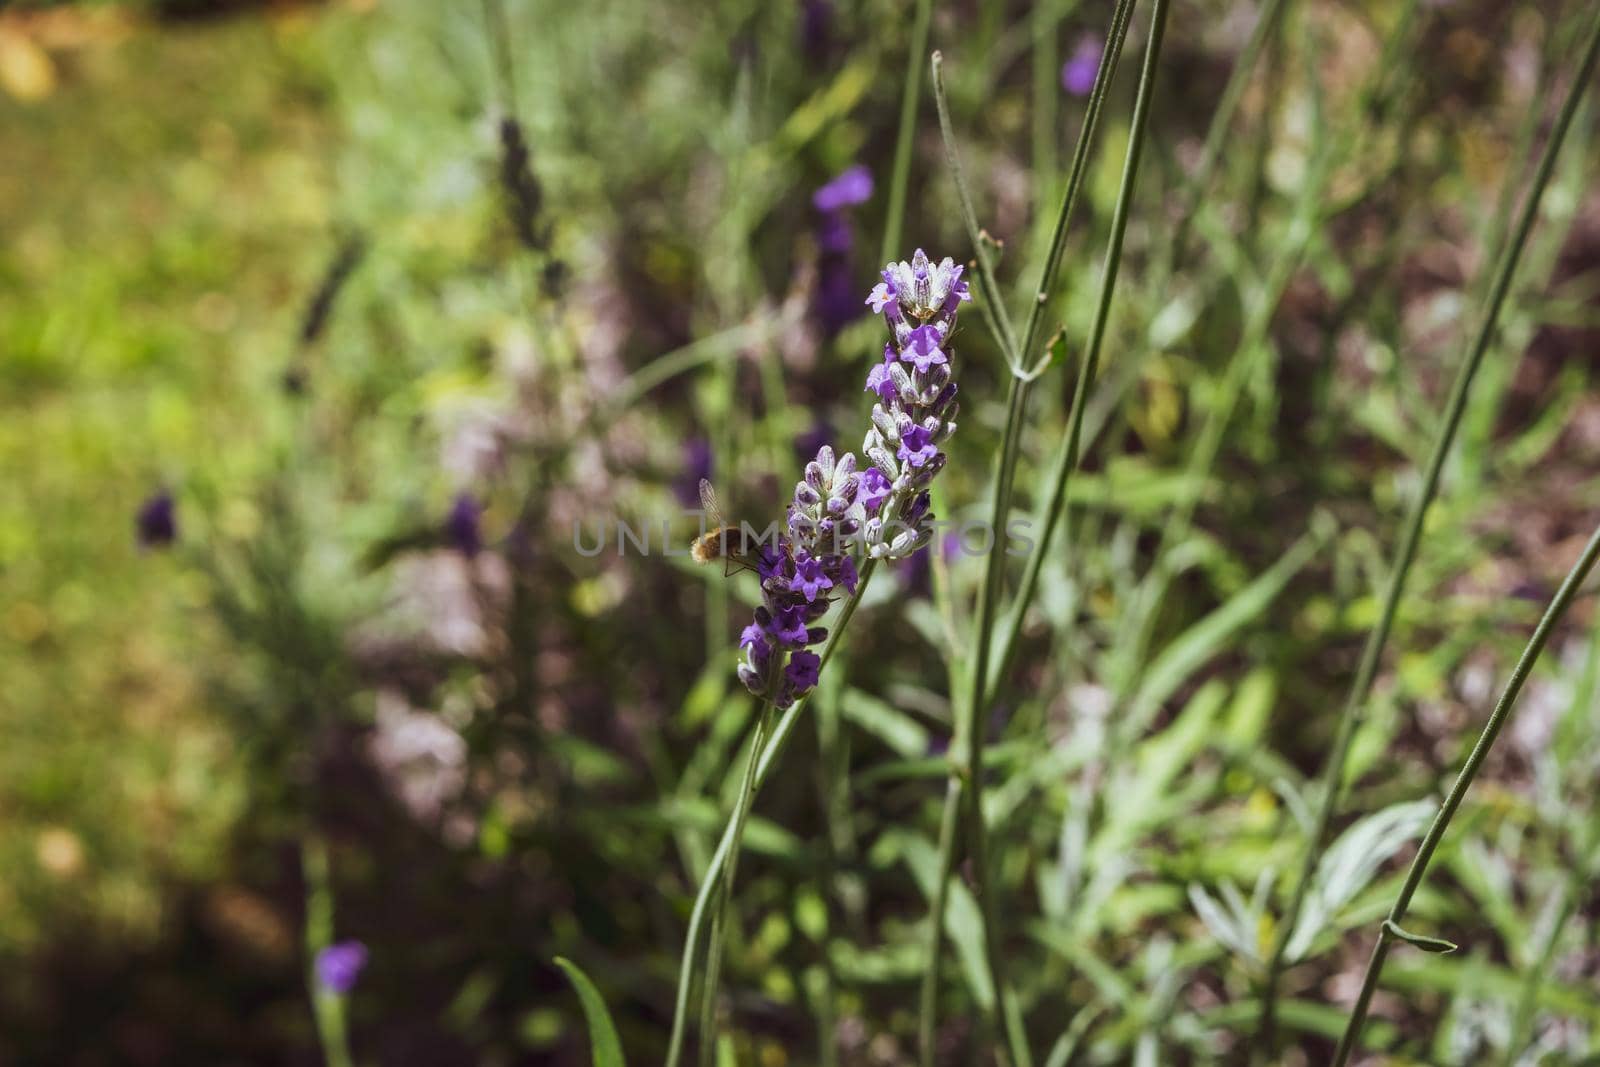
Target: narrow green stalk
(1046, 97)
(741, 813)
(927, 1000)
(1211, 151)
(1388, 932)
(970, 738)
(1068, 453)
(1120, 17)
(968, 790)
(722, 346)
(726, 846)
(980, 251)
(1533, 975)
(1333, 773)
(832, 784)
(327, 1006)
(1584, 835)
(905, 138)
(499, 34)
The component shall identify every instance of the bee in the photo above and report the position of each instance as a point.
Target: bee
(722, 540)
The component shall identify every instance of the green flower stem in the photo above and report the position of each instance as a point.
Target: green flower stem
(327, 1006)
(967, 790)
(1469, 771)
(905, 138)
(1538, 967)
(1120, 17)
(741, 814)
(1069, 451)
(1584, 835)
(980, 252)
(927, 1000)
(1199, 180)
(727, 846)
(1333, 773)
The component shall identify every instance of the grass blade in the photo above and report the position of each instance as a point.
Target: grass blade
(604, 1045)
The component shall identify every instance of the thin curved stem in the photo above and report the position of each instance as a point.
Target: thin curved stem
(1387, 934)
(1333, 772)
(969, 791)
(1007, 335)
(928, 995)
(1068, 453)
(1221, 119)
(327, 1006)
(710, 882)
(905, 138)
(719, 919)
(1121, 15)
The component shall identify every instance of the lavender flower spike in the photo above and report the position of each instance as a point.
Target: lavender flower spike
(883, 510)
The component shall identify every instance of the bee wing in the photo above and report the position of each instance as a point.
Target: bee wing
(708, 504)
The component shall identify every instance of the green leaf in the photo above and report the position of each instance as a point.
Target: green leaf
(1350, 863)
(1223, 926)
(1209, 637)
(1436, 945)
(603, 1041)
(889, 724)
(963, 923)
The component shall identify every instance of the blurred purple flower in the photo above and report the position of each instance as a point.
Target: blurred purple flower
(696, 465)
(461, 526)
(809, 443)
(851, 187)
(835, 299)
(835, 302)
(156, 522)
(835, 234)
(916, 573)
(339, 965)
(816, 29)
(1077, 73)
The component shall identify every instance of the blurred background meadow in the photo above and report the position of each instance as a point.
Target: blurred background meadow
(321, 325)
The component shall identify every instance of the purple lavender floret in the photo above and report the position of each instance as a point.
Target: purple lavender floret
(853, 186)
(1078, 73)
(878, 378)
(916, 447)
(156, 522)
(883, 510)
(696, 466)
(923, 349)
(809, 579)
(816, 30)
(803, 670)
(462, 525)
(753, 636)
(875, 489)
(339, 965)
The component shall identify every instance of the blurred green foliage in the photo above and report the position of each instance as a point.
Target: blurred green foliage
(172, 195)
